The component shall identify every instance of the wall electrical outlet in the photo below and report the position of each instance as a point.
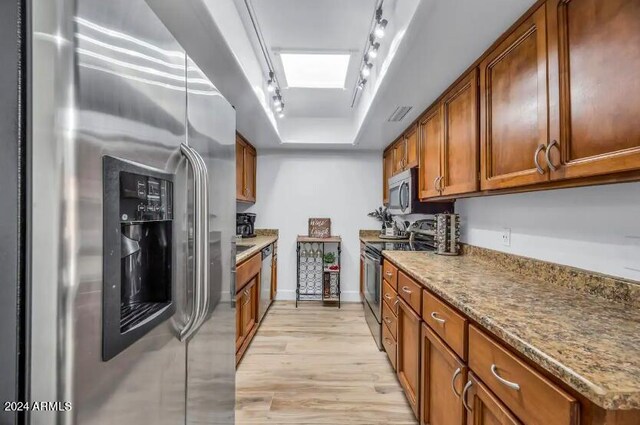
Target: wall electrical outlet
(506, 237)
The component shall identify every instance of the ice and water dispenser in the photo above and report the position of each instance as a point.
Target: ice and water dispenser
(138, 291)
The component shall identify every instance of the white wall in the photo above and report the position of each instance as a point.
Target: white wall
(594, 228)
(295, 185)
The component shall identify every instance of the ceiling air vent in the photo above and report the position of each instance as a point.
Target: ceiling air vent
(399, 113)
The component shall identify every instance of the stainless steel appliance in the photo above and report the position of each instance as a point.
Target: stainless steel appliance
(245, 225)
(124, 221)
(403, 196)
(265, 282)
(373, 279)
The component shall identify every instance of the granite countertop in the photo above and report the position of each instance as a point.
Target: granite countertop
(260, 241)
(586, 341)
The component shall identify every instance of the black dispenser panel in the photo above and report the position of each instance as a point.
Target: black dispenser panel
(138, 290)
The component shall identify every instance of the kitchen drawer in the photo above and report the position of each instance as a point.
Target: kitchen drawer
(389, 295)
(390, 274)
(410, 291)
(390, 345)
(248, 270)
(390, 319)
(532, 397)
(446, 322)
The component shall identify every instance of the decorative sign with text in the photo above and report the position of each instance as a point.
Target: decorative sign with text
(320, 227)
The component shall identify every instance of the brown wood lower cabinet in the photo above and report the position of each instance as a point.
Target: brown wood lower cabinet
(443, 377)
(520, 387)
(484, 408)
(246, 314)
(247, 300)
(408, 362)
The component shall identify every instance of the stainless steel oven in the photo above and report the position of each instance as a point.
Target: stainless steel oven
(373, 293)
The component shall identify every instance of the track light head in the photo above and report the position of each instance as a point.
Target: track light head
(373, 51)
(366, 70)
(380, 28)
(362, 83)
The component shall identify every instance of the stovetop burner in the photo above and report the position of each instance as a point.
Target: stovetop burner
(400, 246)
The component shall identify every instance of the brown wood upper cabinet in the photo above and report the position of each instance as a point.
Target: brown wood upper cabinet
(514, 107)
(448, 135)
(460, 148)
(387, 171)
(430, 137)
(411, 147)
(245, 170)
(399, 155)
(594, 87)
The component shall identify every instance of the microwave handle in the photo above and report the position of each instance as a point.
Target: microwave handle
(403, 207)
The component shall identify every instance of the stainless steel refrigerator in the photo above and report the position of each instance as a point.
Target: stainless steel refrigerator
(123, 200)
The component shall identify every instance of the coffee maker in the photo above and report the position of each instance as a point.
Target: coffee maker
(245, 225)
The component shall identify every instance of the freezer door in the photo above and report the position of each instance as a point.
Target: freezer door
(107, 79)
(211, 351)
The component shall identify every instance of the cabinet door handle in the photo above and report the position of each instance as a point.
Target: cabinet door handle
(406, 289)
(453, 381)
(435, 317)
(388, 341)
(548, 157)
(535, 158)
(441, 183)
(395, 305)
(387, 296)
(386, 319)
(512, 385)
(435, 183)
(464, 396)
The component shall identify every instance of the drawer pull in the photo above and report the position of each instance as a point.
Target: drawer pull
(387, 296)
(464, 396)
(435, 317)
(512, 385)
(388, 341)
(386, 319)
(406, 289)
(388, 273)
(453, 381)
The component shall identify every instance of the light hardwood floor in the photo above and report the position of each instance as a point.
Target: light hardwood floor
(317, 365)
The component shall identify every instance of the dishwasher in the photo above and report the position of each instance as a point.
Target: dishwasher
(265, 282)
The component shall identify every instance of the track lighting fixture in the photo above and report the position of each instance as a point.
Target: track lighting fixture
(372, 48)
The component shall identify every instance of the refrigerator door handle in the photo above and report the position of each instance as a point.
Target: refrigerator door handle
(190, 326)
(204, 240)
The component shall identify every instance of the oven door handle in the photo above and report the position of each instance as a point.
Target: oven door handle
(375, 260)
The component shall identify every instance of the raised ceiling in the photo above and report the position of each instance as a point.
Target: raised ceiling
(429, 44)
(312, 26)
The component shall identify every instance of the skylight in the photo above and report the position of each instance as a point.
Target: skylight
(315, 70)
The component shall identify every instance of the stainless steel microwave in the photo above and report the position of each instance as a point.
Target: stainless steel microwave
(403, 196)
